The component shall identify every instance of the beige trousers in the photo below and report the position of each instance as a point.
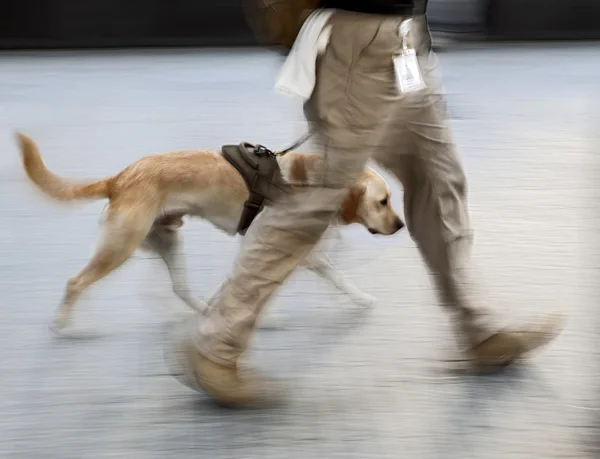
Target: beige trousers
(359, 114)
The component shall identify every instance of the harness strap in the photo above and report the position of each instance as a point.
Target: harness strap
(259, 189)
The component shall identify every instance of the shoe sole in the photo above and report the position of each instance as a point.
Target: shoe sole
(541, 335)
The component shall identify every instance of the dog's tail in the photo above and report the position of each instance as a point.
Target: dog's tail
(52, 185)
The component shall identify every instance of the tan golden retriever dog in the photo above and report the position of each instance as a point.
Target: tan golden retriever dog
(149, 198)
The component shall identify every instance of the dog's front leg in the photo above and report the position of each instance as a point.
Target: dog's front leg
(320, 264)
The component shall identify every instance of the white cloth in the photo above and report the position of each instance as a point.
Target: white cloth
(299, 72)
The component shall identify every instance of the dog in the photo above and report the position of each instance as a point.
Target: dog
(149, 199)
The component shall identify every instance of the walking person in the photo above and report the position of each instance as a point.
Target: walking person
(372, 90)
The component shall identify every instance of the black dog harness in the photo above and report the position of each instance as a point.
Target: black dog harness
(260, 170)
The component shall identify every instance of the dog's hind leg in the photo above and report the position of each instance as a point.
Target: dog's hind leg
(165, 240)
(122, 232)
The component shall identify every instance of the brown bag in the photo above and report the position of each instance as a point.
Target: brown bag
(278, 22)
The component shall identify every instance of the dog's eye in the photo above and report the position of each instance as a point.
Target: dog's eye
(384, 202)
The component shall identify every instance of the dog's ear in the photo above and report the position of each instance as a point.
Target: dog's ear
(349, 207)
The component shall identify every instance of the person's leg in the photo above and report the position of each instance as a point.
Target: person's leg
(422, 155)
(354, 92)
(436, 214)
(420, 151)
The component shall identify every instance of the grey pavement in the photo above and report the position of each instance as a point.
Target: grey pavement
(363, 384)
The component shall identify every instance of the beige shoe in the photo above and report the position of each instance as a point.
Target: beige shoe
(227, 387)
(506, 347)
(224, 384)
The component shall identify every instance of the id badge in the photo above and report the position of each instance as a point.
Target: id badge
(408, 74)
(406, 65)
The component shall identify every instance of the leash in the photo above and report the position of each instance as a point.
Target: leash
(302, 140)
(262, 150)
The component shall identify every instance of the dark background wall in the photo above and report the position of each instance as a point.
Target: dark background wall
(122, 23)
(544, 19)
(83, 23)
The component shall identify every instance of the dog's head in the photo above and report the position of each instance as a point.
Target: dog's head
(368, 203)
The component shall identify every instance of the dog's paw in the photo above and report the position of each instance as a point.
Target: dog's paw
(177, 307)
(60, 330)
(364, 299)
(58, 325)
(199, 306)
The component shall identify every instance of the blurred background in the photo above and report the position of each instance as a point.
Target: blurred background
(523, 84)
(74, 23)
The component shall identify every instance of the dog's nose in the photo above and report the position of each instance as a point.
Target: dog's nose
(399, 225)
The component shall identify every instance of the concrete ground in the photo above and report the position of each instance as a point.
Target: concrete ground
(364, 384)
